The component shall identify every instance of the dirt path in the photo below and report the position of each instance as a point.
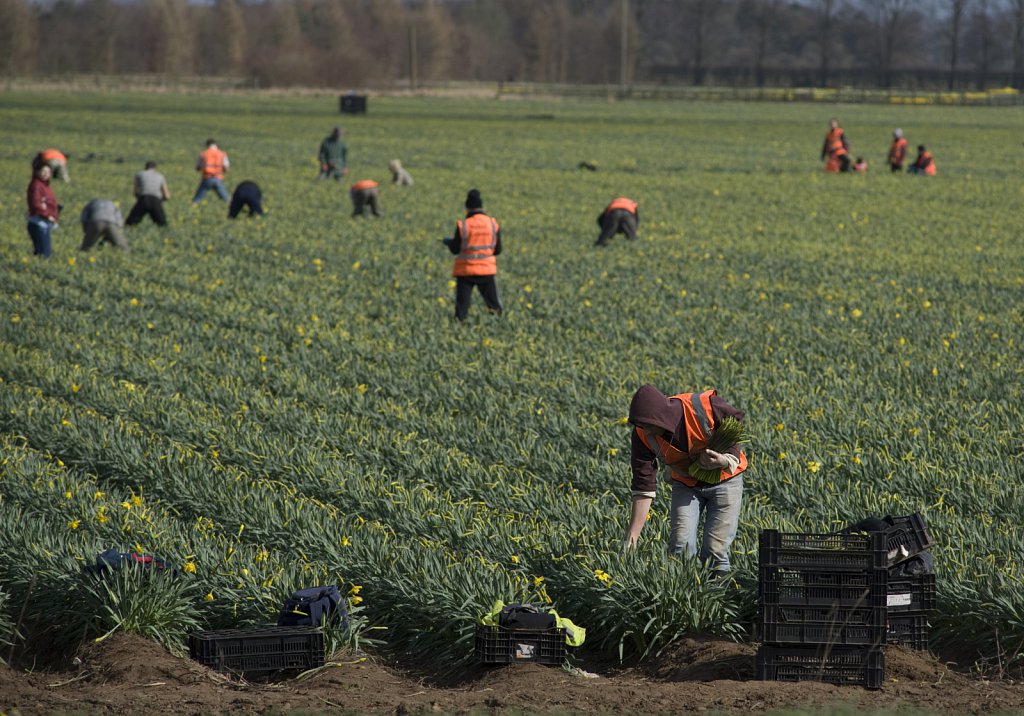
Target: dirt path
(129, 675)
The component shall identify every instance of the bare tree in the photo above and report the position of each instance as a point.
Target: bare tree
(981, 34)
(957, 9)
(889, 16)
(1017, 13)
(699, 16)
(17, 37)
(826, 26)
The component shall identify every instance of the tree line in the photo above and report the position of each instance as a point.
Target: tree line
(955, 44)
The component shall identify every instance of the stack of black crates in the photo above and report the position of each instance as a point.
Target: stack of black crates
(828, 603)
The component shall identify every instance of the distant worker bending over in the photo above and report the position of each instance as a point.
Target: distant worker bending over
(57, 162)
(619, 217)
(924, 165)
(365, 195)
(213, 163)
(247, 195)
(102, 222)
(399, 175)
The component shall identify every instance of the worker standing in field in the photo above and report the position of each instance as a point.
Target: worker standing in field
(365, 195)
(333, 156)
(836, 149)
(101, 221)
(476, 243)
(43, 209)
(897, 150)
(247, 195)
(213, 163)
(924, 164)
(150, 189)
(57, 162)
(675, 431)
(621, 216)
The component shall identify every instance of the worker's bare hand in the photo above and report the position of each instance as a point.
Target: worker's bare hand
(711, 460)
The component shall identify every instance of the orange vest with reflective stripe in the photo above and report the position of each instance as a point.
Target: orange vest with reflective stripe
(834, 142)
(927, 164)
(213, 163)
(898, 151)
(698, 418)
(622, 203)
(51, 154)
(364, 184)
(479, 235)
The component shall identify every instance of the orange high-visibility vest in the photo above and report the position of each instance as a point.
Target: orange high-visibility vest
(834, 142)
(622, 203)
(927, 164)
(479, 235)
(698, 418)
(49, 155)
(898, 151)
(213, 163)
(364, 184)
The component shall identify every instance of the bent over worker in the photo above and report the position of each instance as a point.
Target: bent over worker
(675, 431)
(836, 150)
(476, 243)
(924, 164)
(102, 223)
(621, 216)
(365, 195)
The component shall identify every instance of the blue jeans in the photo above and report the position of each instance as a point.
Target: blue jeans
(210, 183)
(721, 507)
(39, 231)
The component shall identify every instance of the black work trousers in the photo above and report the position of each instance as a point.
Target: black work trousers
(616, 222)
(146, 204)
(464, 292)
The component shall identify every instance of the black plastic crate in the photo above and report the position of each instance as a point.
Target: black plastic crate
(911, 593)
(851, 666)
(909, 630)
(247, 651)
(800, 587)
(847, 626)
(500, 645)
(907, 537)
(846, 552)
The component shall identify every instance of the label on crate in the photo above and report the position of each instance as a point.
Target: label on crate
(898, 600)
(526, 651)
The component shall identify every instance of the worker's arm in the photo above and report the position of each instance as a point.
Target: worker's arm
(165, 192)
(639, 510)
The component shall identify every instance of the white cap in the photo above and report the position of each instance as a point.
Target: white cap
(897, 132)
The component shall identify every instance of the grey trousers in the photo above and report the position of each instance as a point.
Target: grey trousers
(97, 231)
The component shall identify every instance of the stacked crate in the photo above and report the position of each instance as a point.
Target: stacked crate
(822, 607)
(911, 592)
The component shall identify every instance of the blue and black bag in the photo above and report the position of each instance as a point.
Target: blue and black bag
(113, 559)
(316, 606)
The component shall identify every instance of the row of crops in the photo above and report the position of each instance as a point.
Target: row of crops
(282, 402)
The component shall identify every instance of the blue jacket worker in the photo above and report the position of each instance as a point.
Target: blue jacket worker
(246, 195)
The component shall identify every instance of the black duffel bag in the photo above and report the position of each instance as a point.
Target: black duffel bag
(525, 616)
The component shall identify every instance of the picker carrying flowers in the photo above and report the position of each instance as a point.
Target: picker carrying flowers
(695, 437)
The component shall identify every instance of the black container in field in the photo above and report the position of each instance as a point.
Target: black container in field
(846, 626)
(499, 645)
(265, 649)
(352, 104)
(852, 552)
(908, 537)
(914, 593)
(842, 665)
(909, 630)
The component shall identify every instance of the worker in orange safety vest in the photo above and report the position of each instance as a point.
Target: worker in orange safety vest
(897, 150)
(476, 243)
(924, 165)
(619, 217)
(57, 162)
(365, 194)
(674, 432)
(213, 163)
(836, 150)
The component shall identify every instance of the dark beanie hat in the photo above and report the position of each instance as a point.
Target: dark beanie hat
(473, 200)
